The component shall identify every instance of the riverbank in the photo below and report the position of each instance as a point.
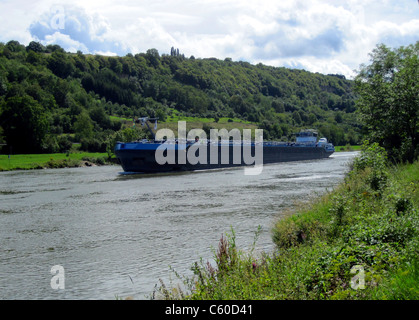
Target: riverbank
(359, 241)
(51, 161)
(72, 160)
(348, 148)
(77, 159)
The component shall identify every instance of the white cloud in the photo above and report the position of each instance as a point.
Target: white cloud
(331, 36)
(65, 41)
(106, 53)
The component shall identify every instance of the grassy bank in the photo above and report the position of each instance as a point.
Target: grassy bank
(347, 148)
(54, 160)
(360, 241)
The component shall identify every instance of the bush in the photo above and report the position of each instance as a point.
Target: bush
(64, 143)
(373, 159)
(93, 145)
(372, 156)
(287, 234)
(49, 144)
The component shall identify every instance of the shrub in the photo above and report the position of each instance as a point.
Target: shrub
(93, 145)
(64, 143)
(373, 159)
(372, 156)
(286, 234)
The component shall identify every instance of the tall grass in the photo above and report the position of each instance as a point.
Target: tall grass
(369, 222)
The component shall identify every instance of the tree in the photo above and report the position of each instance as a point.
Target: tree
(388, 101)
(60, 64)
(83, 127)
(24, 122)
(33, 58)
(35, 47)
(99, 115)
(296, 116)
(311, 118)
(153, 57)
(15, 46)
(278, 106)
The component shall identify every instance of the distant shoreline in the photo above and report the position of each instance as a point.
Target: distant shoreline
(347, 148)
(76, 160)
(53, 161)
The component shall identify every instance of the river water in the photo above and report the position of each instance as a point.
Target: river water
(115, 235)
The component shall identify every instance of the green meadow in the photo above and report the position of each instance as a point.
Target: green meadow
(347, 148)
(53, 160)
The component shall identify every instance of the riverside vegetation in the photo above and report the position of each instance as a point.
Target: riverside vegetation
(371, 221)
(51, 99)
(52, 161)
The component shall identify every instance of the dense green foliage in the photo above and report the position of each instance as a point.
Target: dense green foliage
(360, 241)
(50, 98)
(388, 101)
(369, 224)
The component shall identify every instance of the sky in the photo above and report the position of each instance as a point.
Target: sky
(329, 37)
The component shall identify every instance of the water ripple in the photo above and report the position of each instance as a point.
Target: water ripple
(116, 235)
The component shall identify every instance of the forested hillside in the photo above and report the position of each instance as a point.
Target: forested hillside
(50, 99)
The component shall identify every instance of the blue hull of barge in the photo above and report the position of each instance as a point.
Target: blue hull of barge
(141, 156)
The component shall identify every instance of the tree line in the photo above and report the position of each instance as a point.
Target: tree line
(51, 99)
